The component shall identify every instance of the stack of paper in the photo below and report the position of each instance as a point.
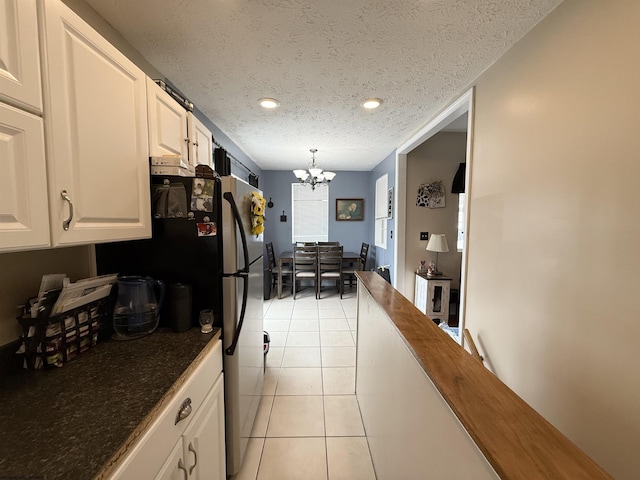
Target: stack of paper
(74, 295)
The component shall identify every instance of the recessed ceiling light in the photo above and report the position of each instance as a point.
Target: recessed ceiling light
(372, 103)
(269, 103)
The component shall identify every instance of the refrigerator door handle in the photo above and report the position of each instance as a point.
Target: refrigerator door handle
(243, 273)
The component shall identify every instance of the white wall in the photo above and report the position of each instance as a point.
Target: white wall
(436, 159)
(555, 225)
(20, 275)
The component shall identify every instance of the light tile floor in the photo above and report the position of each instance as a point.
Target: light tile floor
(308, 424)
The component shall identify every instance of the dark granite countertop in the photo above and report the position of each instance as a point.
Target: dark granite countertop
(66, 423)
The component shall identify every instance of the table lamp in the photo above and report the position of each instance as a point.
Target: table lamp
(437, 243)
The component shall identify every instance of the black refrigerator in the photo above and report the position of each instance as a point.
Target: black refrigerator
(201, 236)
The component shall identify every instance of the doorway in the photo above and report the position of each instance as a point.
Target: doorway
(462, 107)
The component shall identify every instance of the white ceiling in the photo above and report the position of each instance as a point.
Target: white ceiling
(321, 59)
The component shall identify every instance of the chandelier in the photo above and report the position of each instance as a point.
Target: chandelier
(314, 174)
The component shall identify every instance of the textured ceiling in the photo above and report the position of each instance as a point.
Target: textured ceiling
(321, 59)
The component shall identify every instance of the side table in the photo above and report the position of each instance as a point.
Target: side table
(432, 296)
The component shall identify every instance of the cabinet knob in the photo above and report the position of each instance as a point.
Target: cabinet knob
(185, 410)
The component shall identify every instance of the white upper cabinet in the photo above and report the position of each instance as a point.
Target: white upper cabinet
(167, 124)
(24, 216)
(19, 57)
(96, 134)
(201, 144)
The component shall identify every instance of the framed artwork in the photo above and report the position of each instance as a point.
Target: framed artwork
(431, 195)
(349, 209)
(390, 203)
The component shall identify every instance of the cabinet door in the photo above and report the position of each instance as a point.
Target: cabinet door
(24, 217)
(200, 145)
(167, 124)
(438, 300)
(19, 55)
(97, 140)
(204, 447)
(173, 468)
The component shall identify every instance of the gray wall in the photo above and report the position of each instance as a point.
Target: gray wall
(383, 256)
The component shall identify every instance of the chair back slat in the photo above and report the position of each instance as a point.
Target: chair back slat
(330, 258)
(305, 265)
(329, 266)
(364, 253)
(304, 244)
(305, 259)
(271, 256)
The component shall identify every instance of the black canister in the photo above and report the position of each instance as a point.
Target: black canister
(180, 306)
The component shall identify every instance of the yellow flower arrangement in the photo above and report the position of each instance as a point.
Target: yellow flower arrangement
(257, 213)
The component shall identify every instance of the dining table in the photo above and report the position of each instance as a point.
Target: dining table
(286, 258)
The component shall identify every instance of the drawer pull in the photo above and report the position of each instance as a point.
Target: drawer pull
(185, 410)
(195, 458)
(67, 222)
(181, 467)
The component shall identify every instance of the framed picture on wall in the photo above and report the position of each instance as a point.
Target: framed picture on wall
(390, 203)
(349, 209)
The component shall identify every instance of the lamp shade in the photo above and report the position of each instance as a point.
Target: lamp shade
(438, 243)
(301, 174)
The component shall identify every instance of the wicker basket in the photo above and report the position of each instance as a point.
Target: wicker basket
(52, 341)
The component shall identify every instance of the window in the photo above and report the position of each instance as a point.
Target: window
(382, 192)
(310, 216)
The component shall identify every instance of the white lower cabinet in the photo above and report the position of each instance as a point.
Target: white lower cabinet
(198, 455)
(186, 441)
(173, 468)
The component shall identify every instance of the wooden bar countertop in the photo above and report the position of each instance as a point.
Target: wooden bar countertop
(515, 439)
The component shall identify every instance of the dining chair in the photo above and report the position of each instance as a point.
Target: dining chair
(335, 244)
(329, 266)
(305, 244)
(305, 266)
(278, 274)
(349, 272)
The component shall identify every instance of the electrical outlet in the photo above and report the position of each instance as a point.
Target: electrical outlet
(424, 235)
